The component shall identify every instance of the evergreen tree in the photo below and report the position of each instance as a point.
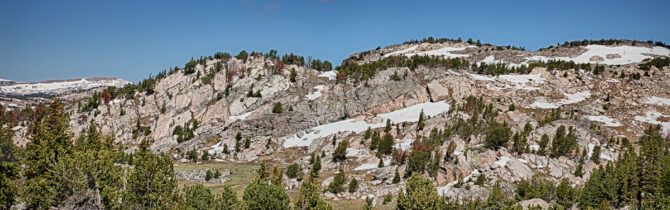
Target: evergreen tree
(338, 182)
(353, 185)
(386, 145)
(341, 151)
(375, 140)
(152, 183)
(261, 195)
(247, 142)
(49, 140)
(293, 170)
(421, 123)
(419, 194)
(309, 198)
(198, 197)
(277, 108)
(10, 167)
(595, 155)
(227, 200)
(396, 177)
(497, 135)
(388, 126)
(544, 141)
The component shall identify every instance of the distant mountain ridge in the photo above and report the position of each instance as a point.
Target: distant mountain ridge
(51, 88)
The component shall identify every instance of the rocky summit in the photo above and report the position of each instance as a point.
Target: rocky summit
(476, 120)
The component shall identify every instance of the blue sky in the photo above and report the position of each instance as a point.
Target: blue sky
(130, 39)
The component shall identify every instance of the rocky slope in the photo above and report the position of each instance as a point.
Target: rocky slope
(317, 107)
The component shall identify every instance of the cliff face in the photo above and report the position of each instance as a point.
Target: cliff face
(242, 95)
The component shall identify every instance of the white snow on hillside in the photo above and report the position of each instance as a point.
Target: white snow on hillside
(445, 52)
(612, 80)
(658, 101)
(651, 117)
(400, 52)
(240, 117)
(403, 145)
(407, 114)
(351, 152)
(519, 81)
(609, 122)
(60, 87)
(503, 161)
(570, 99)
(480, 77)
(368, 166)
(316, 94)
(622, 54)
(331, 75)
(443, 190)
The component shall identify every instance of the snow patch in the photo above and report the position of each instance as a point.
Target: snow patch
(628, 54)
(240, 117)
(368, 166)
(407, 114)
(331, 75)
(651, 117)
(403, 145)
(442, 190)
(570, 99)
(316, 94)
(400, 52)
(658, 101)
(609, 122)
(503, 161)
(444, 52)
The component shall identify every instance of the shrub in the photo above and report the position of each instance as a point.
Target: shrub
(353, 185)
(293, 170)
(277, 108)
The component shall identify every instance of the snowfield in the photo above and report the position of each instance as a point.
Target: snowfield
(622, 54)
(60, 87)
(240, 117)
(445, 52)
(403, 145)
(570, 99)
(400, 52)
(368, 166)
(316, 94)
(658, 101)
(331, 75)
(609, 122)
(442, 190)
(519, 81)
(407, 114)
(651, 117)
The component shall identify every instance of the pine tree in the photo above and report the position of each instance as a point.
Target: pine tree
(386, 145)
(10, 167)
(579, 170)
(421, 122)
(338, 182)
(247, 142)
(396, 177)
(341, 151)
(49, 141)
(261, 195)
(375, 140)
(419, 194)
(309, 197)
(388, 126)
(544, 141)
(353, 185)
(197, 197)
(152, 183)
(595, 155)
(227, 200)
